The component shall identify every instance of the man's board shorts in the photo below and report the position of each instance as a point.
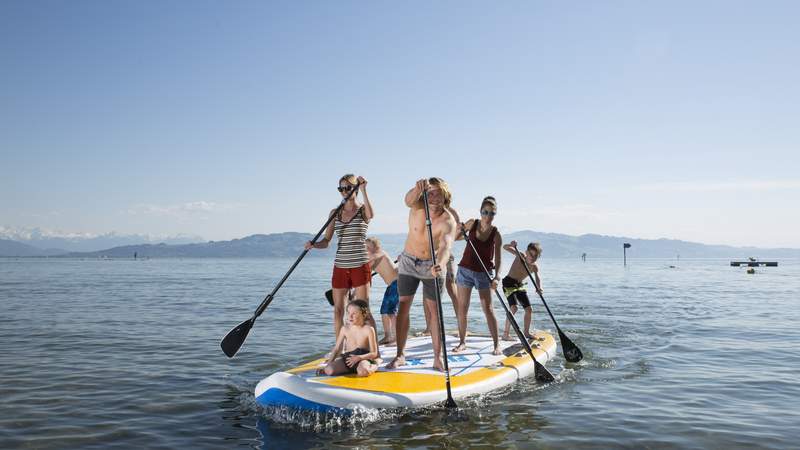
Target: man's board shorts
(515, 292)
(359, 351)
(470, 278)
(350, 278)
(390, 299)
(411, 270)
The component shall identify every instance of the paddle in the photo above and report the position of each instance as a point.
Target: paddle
(571, 351)
(539, 370)
(450, 403)
(235, 338)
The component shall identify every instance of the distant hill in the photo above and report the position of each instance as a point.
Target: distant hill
(14, 248)
(84, 242)
(555, 246)
(254, 246)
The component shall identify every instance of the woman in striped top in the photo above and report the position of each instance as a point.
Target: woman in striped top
(351, 266)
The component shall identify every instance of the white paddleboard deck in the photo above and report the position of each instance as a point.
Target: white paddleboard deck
(473, 371)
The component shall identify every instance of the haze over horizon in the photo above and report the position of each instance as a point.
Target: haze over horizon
(649, 121)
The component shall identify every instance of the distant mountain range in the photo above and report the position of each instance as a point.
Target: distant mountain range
(85, 242)
(291, 244)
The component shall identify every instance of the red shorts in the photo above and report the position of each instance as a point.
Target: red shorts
(350, 278)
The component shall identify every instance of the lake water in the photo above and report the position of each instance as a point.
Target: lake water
(125, 354)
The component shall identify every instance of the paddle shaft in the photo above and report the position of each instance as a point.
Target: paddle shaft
(450, 402)
(268, 299)
(540, 371)
(571, 351)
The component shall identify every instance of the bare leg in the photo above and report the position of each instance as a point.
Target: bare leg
(388, 329)
(402, 324)
(337, 367)
(366, 368)
(528, 322)
(427, 331)
(339, 304)
(486, 302)
(462, 308)
(436, 337)
(506, 336)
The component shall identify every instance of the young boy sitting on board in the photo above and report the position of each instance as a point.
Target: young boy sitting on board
(360, 340)
(387, 269)
(514, 284)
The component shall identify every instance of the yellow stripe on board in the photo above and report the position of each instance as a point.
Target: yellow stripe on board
(396, 382)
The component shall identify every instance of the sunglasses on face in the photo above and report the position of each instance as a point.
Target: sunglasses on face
(488, 213)
(345, 188)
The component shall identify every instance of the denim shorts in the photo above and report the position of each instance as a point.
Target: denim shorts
(471, 278)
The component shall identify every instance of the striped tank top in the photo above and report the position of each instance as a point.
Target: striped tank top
(352, 250)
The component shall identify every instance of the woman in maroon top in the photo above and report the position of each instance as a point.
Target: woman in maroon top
(488, 242)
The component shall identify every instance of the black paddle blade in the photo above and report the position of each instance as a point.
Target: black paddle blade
(450, 403)
(541, 373)
(571, 351)
(235, 338)
(329, 296)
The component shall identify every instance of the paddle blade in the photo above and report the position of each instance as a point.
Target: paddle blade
(541, 373)
(235, 338)
(571, 351)
(329, 296)
(450, 403)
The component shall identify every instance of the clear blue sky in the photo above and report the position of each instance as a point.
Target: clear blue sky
(223, 119)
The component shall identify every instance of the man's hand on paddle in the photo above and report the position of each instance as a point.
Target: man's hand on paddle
(422, 185)
(436, 270)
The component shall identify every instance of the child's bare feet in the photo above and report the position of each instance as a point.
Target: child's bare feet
(387, 341)
(438, 365)
(459, 348)
(506, 337)
(497, 351)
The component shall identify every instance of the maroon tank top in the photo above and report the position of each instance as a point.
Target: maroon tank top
(484, 248)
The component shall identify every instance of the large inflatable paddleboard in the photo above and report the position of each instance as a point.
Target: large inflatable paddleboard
(474, 371)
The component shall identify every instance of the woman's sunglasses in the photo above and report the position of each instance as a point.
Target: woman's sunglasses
(345, 188)
(488, 213)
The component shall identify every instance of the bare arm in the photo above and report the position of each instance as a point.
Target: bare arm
(323, 243)
(368, 213)
(467, 226)
(498, 246)
(414, 196)
(538, 280)
(511, 247)
(445, 244)
(337, 347)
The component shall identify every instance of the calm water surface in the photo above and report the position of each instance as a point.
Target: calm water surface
(125, 354)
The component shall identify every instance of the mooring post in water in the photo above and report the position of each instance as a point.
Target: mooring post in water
(625, 247)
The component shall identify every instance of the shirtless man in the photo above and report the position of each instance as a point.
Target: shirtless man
(416, 264)
(387, 269)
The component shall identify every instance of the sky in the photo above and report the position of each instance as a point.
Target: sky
(223, 119)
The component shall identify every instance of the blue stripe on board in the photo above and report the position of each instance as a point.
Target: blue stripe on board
(279, 397)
